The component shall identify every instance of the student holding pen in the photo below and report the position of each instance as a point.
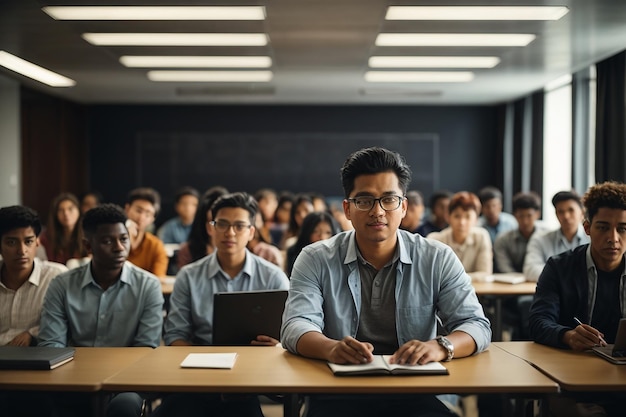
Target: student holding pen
(581, 294)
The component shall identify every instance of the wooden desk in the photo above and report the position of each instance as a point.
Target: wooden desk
(274, 370)
(90, 367)
(167, 284)
(499, 291)
(85, 373)
(574, 371)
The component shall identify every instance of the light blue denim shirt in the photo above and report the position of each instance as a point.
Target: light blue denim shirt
(77, 312)
(174, 231)
(325, 293)
(542, 246)
(191, 304)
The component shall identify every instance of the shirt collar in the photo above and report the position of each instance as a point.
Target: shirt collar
(88, 278)
(215, 268)
(591, 265)
(353, 254)
(35, 276)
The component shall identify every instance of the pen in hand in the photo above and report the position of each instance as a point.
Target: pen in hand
(602, 341)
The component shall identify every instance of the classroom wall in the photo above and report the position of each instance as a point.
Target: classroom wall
(9, 142)
(467, 137)
(54, 148)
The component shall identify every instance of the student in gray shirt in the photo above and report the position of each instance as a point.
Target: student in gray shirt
(107, 302)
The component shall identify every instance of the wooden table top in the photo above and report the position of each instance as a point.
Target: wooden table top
(499, 288)
(90, 366)
(574, 371)
(274, 370)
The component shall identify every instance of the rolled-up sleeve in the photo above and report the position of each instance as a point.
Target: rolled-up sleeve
(458, 306)
(304, 307)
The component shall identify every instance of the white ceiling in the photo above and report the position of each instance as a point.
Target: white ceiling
(320, 51)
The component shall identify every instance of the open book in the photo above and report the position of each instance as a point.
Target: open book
(381, 366)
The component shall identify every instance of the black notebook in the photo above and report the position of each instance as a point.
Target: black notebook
(15, 357)
(615, 352)
(239, 317)
(381, 366)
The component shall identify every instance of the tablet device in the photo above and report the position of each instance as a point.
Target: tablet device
(239, 317)
(616, 352)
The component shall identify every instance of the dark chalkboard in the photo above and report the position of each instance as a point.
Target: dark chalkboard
(299, 162)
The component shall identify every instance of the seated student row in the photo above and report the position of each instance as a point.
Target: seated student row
(62, 239)
(231, 227)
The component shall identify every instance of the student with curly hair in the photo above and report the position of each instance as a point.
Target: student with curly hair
(588, 283)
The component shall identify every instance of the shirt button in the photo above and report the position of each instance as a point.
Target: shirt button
(102, 316)
(377, 283)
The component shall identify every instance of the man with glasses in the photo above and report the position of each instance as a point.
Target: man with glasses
(146, 250)
(230, 268)
(380, 290)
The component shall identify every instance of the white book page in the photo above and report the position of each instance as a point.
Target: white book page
(209, 360)
(377, 363)
(431, 366)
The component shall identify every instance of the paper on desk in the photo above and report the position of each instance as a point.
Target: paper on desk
(209, 360)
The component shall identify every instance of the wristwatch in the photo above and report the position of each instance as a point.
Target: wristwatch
(447, 345)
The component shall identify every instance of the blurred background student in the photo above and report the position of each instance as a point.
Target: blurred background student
(176, 229)
(199, 244)
(63, 238)
(316, 226)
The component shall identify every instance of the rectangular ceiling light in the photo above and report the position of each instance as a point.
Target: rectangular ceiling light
(454, 39)
(196, 61)
(37, 73)
(156, 12)
(211, 76)
(433, 61)
(418, 76)
(476, 12)
(176, 39)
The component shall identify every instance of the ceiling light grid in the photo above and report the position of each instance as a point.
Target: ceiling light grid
(240, 65)
(444, 40)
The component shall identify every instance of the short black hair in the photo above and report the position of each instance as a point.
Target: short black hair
(566, 195)
(17, 217)
(609, 194)
(373, 161)
(439, 195)
(489, 193)
(528, 200)
(185, 191)
(236, 200)
(414, 198)
(265, 193)
(148, 194)
(103, 214)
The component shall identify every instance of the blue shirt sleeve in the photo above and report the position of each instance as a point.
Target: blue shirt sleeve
(53, 330)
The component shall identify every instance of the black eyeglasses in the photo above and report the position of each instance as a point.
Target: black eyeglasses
(387, 203)
(224, 226)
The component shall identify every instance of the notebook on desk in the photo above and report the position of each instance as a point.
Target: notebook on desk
(46, 358)
(616, 352)
(239, 317)
(508, 278)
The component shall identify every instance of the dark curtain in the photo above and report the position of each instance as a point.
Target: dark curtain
(520, 131)
(611, 119)
(536, 146)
